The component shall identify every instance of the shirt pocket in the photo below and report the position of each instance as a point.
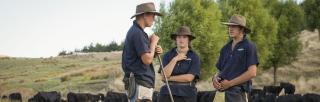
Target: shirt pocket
(240, 54)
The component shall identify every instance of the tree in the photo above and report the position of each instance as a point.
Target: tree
(203, 18)
(290, 21)
(312, 9)
(263, 25)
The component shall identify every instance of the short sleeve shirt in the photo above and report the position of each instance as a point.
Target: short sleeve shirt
(233, 63)
(135, 45)
(189, 66)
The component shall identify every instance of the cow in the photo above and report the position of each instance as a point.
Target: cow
(256, 95)
(84, 97)
(52, 96)
(16, 97)
(115, 97)
(205, 96)
(4, 97)
(155, 96)
(290, 98)
(311, 97)
(272, 90)
(288, 88)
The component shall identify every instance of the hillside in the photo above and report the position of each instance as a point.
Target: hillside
(304, 72)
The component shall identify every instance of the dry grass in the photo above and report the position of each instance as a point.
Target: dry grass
(304, 72)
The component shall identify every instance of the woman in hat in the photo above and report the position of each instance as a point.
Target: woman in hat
(237, 63)
(182, 68)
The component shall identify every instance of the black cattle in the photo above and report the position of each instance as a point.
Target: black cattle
(4, 97)
(53, 96)
(205, 96)
(311, 97)
(288, 88)
(272, 90)
(155, 96)
(256, 95)
(84, 97)
(116, 97)
(15, 97)
(290, 98)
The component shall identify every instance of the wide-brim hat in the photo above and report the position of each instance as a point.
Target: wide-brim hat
(239, 21)
(183, 30)
(146, 8)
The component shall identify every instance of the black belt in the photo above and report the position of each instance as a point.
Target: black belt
(182, 83)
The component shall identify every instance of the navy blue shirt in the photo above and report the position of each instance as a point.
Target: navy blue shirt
(232, 64)
(189, 66)
(135, 45)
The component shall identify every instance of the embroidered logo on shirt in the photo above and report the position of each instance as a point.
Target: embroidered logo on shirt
(240, 49)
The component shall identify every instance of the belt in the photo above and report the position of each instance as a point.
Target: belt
(181, 83)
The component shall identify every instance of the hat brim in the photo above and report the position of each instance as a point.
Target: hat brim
(173, 36)
(156, 13)
(246, 29)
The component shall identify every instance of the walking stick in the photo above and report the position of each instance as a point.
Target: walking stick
(165, 77)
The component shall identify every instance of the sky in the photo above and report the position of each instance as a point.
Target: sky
(43, 28)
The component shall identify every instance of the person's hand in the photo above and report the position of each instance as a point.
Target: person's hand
(159, 49)
(216, 84)
(180, 57)
(154, 39)
(226, 84)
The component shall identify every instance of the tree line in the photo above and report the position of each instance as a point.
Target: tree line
(275, 26)
(112, 46)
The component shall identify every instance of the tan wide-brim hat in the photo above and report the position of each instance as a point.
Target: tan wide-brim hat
(183, 30)
(239, 21)
(146, 8)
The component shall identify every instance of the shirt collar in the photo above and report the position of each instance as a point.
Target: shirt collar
(174, 50)
(135, 23)
(244, 39)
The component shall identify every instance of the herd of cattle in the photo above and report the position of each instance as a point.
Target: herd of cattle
(267, 94)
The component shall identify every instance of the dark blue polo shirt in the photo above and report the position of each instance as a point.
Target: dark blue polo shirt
(189, 66)
(232, 64)
(135, 45)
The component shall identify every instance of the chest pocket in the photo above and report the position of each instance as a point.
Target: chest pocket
(182, 67)
(240, 54)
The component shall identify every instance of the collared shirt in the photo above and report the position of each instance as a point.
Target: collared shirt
(135, 45)
(189, 66)
(233, 63)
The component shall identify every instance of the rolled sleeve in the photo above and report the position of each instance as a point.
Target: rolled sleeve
(195, 67)
(252, 57)
(141, 44)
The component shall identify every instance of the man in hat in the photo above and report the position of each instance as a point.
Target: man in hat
(237, 63)
(138, 53)
(182, 67)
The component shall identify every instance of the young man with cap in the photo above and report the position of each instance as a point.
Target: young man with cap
(182, 68)
(138, 53)
(237, 63)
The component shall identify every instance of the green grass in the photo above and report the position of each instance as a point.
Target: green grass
(46, 74)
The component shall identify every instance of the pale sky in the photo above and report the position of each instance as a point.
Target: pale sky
(43, 28)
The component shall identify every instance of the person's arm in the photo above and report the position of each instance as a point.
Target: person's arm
(246, 76)
(147, 57)
(182, 78)
(170, 66)
(216, 84)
